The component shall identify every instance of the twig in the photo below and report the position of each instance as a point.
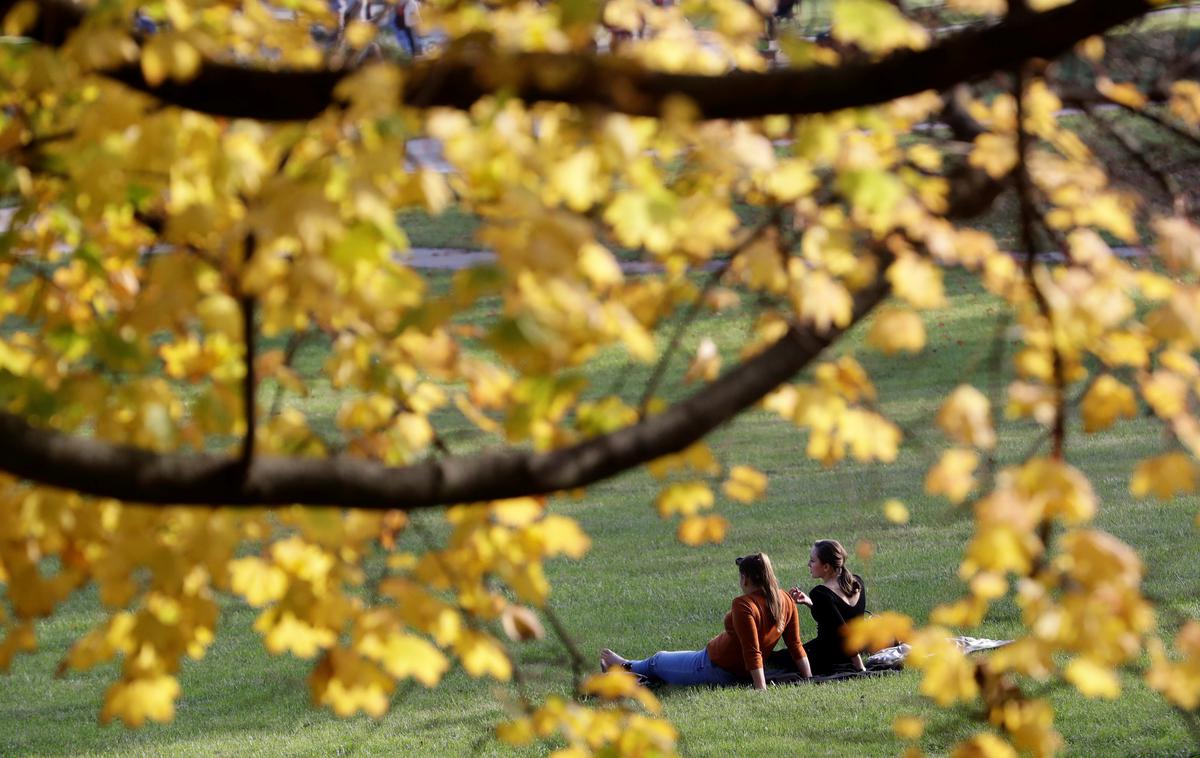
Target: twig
(694, 309)
(1025, 190)
(1167, 182)
(249, 382)
(578, 661)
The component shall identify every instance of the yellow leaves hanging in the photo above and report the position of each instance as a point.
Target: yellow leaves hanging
(700, 530)
(745, 484)
(18, 638)
(965, 417)
(1125, 93)
(257, 581)
(947, 676)
(822, 301)
(1178, 681)
(561, 535)
(908, 727)
(348, 683)
(1105, 401)
(1165, 476)
(1185, 101)
(994, 153)
(953, 475)
(984, 745)
(877, 631)
(1093, 679)
(684, 498)
(618, 685)
(520, 624)
(404, 656)
(141, 699)
(895, 511)
(610, 728)
(875, 26)
(918, 281)
(169, 55)
(482, 655)
(896, 330)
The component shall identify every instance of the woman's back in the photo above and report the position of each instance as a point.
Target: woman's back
(750, 633)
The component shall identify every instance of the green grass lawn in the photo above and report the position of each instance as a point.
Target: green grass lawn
(639, 590)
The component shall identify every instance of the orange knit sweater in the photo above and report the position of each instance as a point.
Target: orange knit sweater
(749, 634)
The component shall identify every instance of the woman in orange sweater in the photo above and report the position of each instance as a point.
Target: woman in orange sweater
(759, 617)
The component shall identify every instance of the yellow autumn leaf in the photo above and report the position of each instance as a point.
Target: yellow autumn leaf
(947, 675)
(953, 475)
(348, 683)
(1061, 489)
(617, 684)
(1166, 392)
(877, 631)
(1093, 679)
(745, 484)
(821, 300)
(985, 744)
(1124, 93)
(21, 638)
(517, 733)
(257, 580)
(895, 511)
(908, 727)
(994, 153)
(791, 180)
(1105, 401)
(875, 26)
(897, 330)
(360, 33)
(966, 418)
(1165, 476)
(684, 498)
(482, 655)
(521, 624)
(700, 530)
(1185, 101)
(137, 700)
(20, 18)
(918, 281)
(404, 655)
(562, 535)
(1091, 49)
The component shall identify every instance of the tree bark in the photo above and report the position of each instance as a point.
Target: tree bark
(104, 469)
(469, 72)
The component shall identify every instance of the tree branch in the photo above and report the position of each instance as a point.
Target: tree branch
(104, 469)
(469, 71)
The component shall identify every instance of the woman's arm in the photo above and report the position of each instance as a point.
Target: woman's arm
(745, 625)
(791, 638)
(857, 660)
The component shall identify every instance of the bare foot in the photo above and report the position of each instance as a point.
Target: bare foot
(608, 659)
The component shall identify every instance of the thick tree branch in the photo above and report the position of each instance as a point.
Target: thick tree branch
(104, 469)
(471, 71)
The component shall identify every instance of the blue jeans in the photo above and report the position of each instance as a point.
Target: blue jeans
(683, 667)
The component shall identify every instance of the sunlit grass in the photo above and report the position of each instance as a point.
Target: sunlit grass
(639, 590)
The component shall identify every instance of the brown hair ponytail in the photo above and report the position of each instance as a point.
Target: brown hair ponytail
(831, 552)
(757, 568)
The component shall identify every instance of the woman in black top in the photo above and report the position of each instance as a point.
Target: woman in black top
(840, 598)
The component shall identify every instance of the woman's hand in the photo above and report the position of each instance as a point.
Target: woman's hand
(759, 677)
(798, 595)
(803, 666)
